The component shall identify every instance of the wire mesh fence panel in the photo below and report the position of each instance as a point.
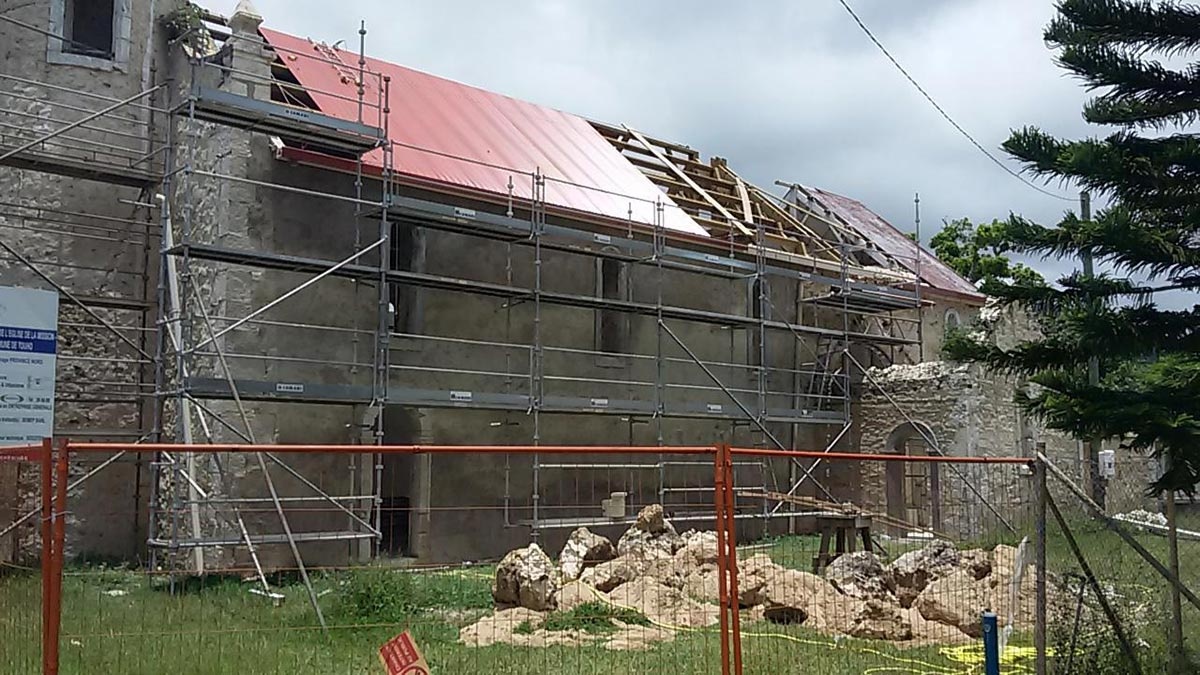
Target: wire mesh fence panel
(602, 579)
(574, 562)
(20, 574)
(1111, 608)
(894, 570)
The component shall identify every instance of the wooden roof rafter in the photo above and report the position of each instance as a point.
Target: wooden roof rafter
(712, 194)
(687, 180)
(801, 232)
(838, 225)
(724, 204)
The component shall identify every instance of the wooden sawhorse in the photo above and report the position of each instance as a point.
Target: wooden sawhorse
(843, 531)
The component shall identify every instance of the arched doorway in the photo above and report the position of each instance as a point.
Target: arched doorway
(913, 488)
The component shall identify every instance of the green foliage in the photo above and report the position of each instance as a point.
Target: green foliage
(594, 617)
(387, 595)
(524, 628)
(186, 19)
(1149, 357)
(185, 25)
(978, 254)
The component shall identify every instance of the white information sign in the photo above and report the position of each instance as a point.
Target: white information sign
(28, 343)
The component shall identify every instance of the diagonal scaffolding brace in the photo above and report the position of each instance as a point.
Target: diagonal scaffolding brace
(754, 418)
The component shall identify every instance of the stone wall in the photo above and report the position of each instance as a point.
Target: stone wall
(971, 413)
(968, 416)
(95, 241)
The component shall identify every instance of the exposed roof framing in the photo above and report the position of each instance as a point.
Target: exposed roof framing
(447, 136)
(714, 195)
(809, 241)
(674, 168)
(836, 227)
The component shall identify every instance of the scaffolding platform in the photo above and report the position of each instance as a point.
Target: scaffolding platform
(446, 283)
(305, 127)
(81, 167)
(865, 300)
(315, 392)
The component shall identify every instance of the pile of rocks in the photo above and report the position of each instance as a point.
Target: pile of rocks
(931, 595)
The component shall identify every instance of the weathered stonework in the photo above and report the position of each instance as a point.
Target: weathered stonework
(971, 412)
(96, 242)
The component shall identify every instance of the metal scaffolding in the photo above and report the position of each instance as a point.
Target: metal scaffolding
(198, 339)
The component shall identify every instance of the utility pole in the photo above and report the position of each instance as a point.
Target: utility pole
(1178, 658)
(1093, 482)
(917, 285)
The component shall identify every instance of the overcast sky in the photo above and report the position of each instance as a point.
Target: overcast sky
(784, 89)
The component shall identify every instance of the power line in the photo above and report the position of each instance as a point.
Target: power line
(943, 113)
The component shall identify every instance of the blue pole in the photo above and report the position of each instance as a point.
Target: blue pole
(991, 645)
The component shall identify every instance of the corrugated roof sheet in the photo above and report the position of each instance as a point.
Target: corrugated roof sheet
(467, 137)
(880, 232)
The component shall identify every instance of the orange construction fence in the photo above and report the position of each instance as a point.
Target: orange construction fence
(54, 457)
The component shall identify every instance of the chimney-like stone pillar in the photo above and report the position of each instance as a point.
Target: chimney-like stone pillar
(251, 67)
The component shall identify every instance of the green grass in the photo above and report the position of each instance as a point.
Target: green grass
(116, 621)
(218, 627)
(1139, 595)
(594, 617)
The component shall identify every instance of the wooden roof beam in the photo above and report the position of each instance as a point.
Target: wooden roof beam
(679, 173)
(622, 133)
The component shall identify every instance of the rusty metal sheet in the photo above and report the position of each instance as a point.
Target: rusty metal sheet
(883, 234)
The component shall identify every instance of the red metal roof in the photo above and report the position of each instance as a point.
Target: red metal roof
(466, 137)
(883, 234)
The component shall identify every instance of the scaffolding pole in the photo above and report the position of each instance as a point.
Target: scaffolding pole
(537, 223)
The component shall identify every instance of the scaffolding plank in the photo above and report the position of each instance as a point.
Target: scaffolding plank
(307, 392)
(298, 537)
(74, 167)
(307, 127)
(289, 390)
(863, 301)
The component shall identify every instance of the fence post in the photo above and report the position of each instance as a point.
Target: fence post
(47, 556)
(731, 561)
(1039, 626)
(991, 645)
(61, 470)
(1178, 658)
(719, 495)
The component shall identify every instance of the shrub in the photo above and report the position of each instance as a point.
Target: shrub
(389, 595)
(594, 617)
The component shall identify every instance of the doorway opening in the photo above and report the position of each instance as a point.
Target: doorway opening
(913, 488)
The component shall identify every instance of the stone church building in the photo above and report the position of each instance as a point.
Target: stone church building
(264, 238)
